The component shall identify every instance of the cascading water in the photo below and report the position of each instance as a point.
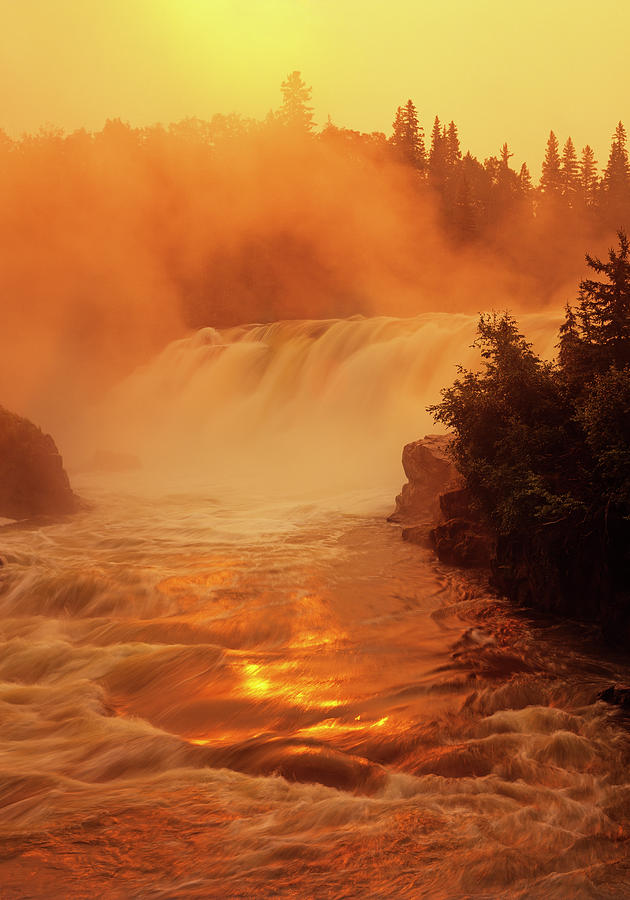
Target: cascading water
(229, 677)
(306, 407)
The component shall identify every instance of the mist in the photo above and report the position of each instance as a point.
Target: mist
(114, 243)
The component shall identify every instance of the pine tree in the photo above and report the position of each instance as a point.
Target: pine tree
(570, 173)
(588, 180)
(453, 151)
(551, 181)
(415, 136)
(525, 181)
(408, 137)
(574, 355)
(616, 177)
(437, 154)
(603, 309)
(505, 181)
(397, 139)
(295, 113)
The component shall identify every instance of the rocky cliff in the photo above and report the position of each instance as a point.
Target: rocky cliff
(33, 481)
(434, 507)
(570, 568)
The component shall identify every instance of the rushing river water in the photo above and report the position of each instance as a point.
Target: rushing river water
(214, 686)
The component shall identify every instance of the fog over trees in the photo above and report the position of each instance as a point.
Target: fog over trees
(116, 241)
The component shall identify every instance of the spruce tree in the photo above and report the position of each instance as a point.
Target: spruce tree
(551, 181)
(295, 112)
(603, 309)
(616, 177)
(453, 151)
(525, 181)
(587, 177)
(437, 154)
(570, 172)
(408, 137)
(397, 139)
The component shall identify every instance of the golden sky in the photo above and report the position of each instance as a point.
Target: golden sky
(502, 70)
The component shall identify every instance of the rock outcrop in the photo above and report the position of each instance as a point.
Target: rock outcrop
(569, 568)
(435, 508)
(429, 471)
(33, 481)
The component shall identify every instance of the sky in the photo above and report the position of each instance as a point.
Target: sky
(503, 71)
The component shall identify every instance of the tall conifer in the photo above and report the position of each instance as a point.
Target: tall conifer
(551, 181)
(570, 172)
(616, 177)
(588, 176)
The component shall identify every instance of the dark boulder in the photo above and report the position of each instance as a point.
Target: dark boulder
(33, 481)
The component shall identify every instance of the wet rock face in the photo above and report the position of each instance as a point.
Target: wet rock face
(429, 471)
(33, 481)
(572, 569)
(434, 494)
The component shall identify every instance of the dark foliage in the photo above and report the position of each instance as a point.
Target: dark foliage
(545, 450)
(538, 441)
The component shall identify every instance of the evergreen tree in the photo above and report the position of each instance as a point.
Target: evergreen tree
(408, 136)
(573, 356)
(502, 418)
(397, 139)
(551, 181)
(437, 154)
(570, 172)
(605, 306)
(415, 136)
(525, 181)
(588, 180)
(616, 177)
(295, 112)
(453, 151)
(596, 335)
(505, 181)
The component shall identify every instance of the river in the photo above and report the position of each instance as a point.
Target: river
(228, 676)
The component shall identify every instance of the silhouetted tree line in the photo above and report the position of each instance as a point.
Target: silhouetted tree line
(476, 196)
(545, 449)
(169, 197)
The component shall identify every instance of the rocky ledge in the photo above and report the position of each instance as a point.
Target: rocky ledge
(568, 568)
(435, 508)
(33, 481)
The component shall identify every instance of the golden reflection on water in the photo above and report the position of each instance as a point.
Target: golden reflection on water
(335, 727)
(281, 680)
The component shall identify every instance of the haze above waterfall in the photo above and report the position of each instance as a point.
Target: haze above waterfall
(297, 408)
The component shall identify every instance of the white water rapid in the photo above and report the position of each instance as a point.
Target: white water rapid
(228, 677)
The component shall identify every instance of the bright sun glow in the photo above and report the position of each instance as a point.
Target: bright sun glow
(503, 72)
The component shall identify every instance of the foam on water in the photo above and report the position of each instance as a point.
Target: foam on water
(229, 677)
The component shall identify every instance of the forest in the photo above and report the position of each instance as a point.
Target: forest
(114, 242)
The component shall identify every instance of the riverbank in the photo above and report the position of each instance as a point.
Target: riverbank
(562, 568)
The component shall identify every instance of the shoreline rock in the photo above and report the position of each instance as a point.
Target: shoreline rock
(33, 481)
(562, 568)
(436, 509)
(429, 472)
